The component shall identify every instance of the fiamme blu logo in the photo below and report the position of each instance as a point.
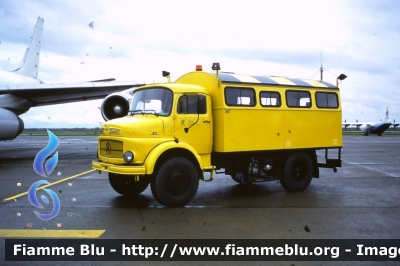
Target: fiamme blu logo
(43, 166)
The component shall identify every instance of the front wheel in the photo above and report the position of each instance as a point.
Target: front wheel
(297, 173)
(126, 184)
(175, 183)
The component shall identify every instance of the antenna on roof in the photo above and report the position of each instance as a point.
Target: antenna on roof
(321, 69)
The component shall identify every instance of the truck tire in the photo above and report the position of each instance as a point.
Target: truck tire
(176, 182)
(153, 189)
(126, 184)
(297, 172)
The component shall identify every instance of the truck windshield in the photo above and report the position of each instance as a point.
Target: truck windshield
(156, 101)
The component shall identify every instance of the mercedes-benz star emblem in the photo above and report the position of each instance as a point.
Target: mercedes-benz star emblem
(108, 148)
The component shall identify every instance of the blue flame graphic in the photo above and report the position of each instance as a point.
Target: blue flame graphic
(43, 154)
(32, 198)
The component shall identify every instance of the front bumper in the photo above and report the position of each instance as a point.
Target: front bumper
(119, 169)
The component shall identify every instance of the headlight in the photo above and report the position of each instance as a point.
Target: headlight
(128, 156)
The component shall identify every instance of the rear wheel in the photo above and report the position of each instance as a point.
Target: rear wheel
(176, 182)
(126, 184)
(297, 173)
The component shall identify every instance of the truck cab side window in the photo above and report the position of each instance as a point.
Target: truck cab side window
(192, 104)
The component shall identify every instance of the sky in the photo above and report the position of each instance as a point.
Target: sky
(136, 40)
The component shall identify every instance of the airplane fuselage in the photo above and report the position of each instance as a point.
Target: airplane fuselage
(375, 128)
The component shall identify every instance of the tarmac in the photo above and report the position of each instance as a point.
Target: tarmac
(360, 201)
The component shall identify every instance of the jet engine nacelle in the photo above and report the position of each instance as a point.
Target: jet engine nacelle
(11, 125)
(116, 105)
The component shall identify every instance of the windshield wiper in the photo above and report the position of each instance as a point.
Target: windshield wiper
(131, 112)
(151, 110)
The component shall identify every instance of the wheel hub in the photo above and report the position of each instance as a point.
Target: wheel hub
(177, 184)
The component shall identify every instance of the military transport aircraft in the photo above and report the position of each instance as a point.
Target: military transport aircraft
(371, 127)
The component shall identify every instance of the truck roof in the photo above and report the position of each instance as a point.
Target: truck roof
(271, 80)
(183, 88)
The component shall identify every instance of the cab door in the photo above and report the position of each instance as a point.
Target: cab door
(193, 122)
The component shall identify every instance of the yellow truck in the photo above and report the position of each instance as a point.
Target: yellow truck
(252, 128)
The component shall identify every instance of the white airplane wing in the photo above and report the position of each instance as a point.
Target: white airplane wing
(55, 93)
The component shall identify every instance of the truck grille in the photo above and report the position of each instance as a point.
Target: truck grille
(111, 148)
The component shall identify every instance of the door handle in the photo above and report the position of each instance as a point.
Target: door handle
(206, 121)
